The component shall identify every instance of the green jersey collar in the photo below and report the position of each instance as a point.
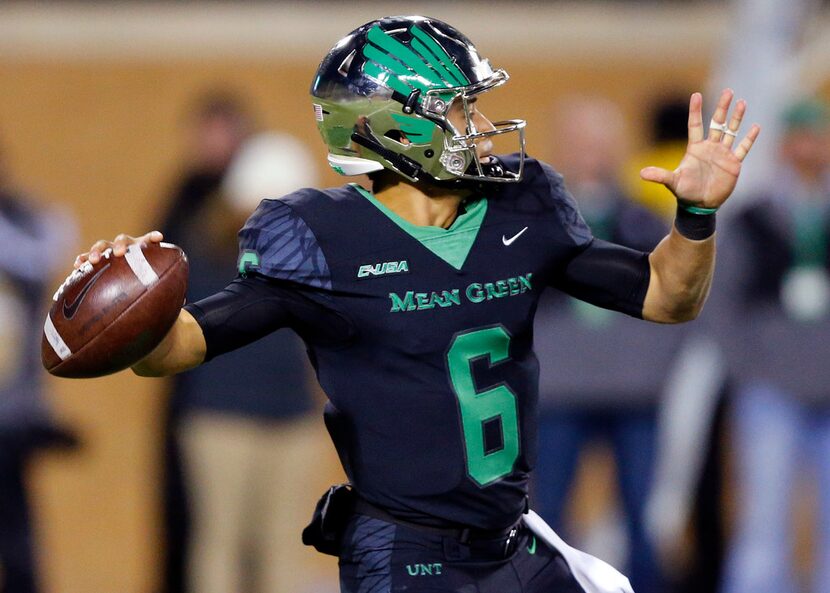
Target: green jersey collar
(453, 244)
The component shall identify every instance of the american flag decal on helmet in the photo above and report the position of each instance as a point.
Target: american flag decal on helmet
(318, 112)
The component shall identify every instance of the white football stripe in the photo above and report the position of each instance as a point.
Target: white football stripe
(140, 266)
(55, 340)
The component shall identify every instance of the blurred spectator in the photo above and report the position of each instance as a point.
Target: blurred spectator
(34, 242)
(777, 256)
(607, 391)
(218, 125)
(240, 424)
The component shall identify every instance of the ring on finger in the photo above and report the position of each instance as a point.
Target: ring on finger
(713, 125)
(729, 132)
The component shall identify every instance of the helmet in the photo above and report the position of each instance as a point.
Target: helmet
(382, 94)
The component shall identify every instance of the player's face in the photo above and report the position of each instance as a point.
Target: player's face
(479, 123)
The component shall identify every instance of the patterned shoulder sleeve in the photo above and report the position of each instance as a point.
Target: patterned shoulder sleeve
(277, 243)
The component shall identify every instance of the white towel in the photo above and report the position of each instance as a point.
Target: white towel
(592, 574)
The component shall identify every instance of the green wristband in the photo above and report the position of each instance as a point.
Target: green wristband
(697, 209)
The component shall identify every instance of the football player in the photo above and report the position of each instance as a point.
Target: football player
(416, 300)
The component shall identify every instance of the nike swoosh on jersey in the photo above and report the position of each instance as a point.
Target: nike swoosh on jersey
(509, 241)
(70, 309)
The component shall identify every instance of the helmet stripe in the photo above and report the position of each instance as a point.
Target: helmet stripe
(400, 74)
(383, 76)
(409, 59)
(435, 63)
(440, 55)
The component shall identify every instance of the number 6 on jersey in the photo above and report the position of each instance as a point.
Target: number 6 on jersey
(481, 410)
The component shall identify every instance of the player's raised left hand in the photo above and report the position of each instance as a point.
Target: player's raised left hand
(709, 170)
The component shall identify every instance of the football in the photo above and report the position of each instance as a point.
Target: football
(108, 316)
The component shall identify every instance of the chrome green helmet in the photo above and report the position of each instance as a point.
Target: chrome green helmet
(382, 94)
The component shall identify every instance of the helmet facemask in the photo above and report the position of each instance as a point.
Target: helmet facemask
(460, 156)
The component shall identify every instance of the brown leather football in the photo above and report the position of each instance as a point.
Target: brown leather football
(108, 316)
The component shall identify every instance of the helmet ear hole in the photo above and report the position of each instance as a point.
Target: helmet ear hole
(397, 136)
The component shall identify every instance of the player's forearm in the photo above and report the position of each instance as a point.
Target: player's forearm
(681, 275)
(181, 349)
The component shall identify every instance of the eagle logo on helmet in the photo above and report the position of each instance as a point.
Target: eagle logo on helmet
(383, 93)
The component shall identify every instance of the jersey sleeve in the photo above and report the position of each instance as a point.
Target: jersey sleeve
(283, 281)
(609, 276)
(251, 308)
(601, 273)
(277, 243)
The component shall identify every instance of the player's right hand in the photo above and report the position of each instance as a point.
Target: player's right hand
(118, 245)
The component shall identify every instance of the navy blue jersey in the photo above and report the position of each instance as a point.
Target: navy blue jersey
(433, 384)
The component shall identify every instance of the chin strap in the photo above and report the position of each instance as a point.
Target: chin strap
(402, 163)
(411, 169)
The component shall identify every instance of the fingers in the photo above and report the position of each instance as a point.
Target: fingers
(719, 131)
(119, 247)
(716, 125)
(123, 241)
(153, 237)
(97, 249)
(696, 118)
(746, 144)
(79, 260)
(734, 124)
(657, 175)
(120, 244)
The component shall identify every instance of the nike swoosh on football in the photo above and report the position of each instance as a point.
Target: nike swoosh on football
(509, 241)
(70, 309)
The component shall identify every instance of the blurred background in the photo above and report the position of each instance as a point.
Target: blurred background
(126, 116)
